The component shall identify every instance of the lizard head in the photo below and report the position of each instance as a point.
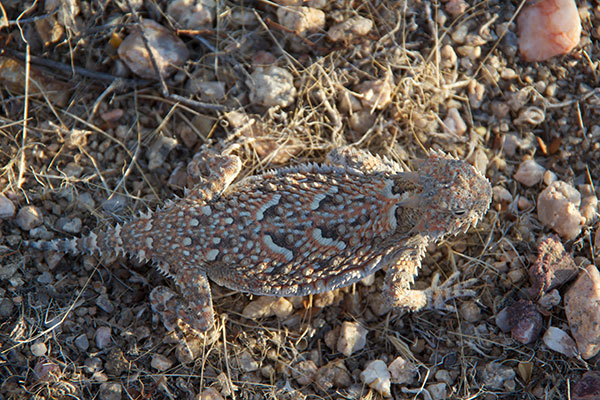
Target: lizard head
(452, 195)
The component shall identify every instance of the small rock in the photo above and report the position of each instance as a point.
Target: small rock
(502, 195)
(524, 204)
(549, 177)
(550, 299)
(327, 299)
(208, 90)
(304, 372)
(159, 151)
(82, 342)
(588, 388)
(301, 20)
(548, 28)
(377, 377)
(69, 225)
(247, 362)
(282, 308)
(29, 217)
(45, 278)
(115, 204)
(267, 306)
(522, 319)
(437, 391)
(103, 337)
(110, 391)
(167, 49)
(105, 304)
(529, 173)
(496, 375)
(456, 7)
(272, 86)
(38, 349)
(470, 311)
(402, 371)
(558, 208)
(91, 365)
(589, 208)
(46, 371)
(553, 267)
(350, 29)
(376, 95)
(192, 14)
(353, 337)
(454, 123)
(582, 302)
(361, 121)
(444, 376)
(160, 362)
(333, 375)
(558, 340)
(331, 338)
(7, 208)
(209, 394)
(6, 308)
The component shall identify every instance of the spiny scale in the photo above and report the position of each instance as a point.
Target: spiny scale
(296, 231)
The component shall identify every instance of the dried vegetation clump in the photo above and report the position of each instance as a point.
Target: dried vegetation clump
(85, 143)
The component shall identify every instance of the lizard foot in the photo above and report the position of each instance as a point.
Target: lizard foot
(171, 308)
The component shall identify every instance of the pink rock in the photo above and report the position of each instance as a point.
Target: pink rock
(548, 28)
(588, 388)
(582, 302)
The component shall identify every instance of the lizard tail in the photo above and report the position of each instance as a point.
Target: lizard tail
(102, 243)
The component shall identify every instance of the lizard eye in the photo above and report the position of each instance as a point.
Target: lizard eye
(459, 212)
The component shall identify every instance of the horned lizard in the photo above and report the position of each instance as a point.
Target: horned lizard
(299, 230)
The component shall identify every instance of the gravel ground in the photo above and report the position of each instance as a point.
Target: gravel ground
(285, 85)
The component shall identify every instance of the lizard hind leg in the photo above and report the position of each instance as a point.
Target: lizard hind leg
(194, 307)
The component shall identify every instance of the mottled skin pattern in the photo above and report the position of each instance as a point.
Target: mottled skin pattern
(300, 230)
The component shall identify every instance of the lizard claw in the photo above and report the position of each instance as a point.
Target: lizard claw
(438, 295)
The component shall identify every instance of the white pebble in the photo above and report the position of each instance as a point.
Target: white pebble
(247, 362)
(377, 376)
(103, 335)
(192, 14)
(529, 173)
(353, 337)
(301, 20)
(304, 372)
(7, 208)
(168, 50)
(38, 349)
(376, 95)
(210, 394)
(267, 306)
(558, 208)
(272, 86)
(29, 217)
(548, 28)
(160, 362)
(402, 371)
(348, 30)
(502, 195)
(558, 340)
(437, 391)
(454, 123)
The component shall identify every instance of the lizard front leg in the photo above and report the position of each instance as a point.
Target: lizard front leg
(402, 273)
